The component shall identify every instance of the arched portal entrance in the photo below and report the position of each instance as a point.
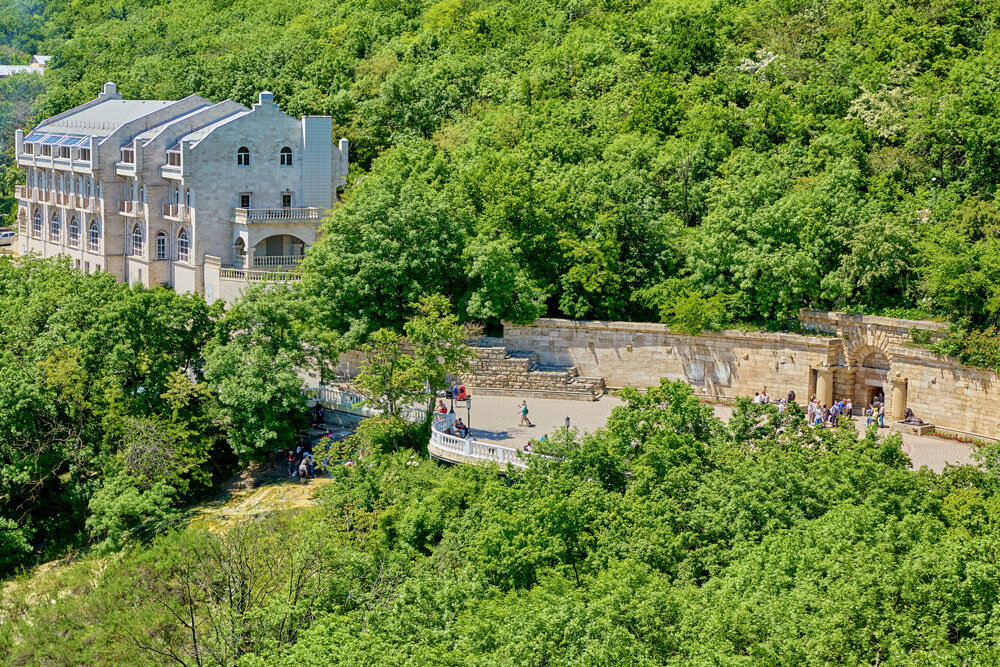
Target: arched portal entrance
(871, 378)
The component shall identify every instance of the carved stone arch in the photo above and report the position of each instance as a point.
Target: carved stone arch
(857, 356)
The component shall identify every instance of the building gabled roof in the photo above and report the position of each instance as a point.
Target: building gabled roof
(198, 135)
(41, 60)
(152, 132)
(102, 119)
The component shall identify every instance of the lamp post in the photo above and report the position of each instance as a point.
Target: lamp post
(567, 423)
(468, 413)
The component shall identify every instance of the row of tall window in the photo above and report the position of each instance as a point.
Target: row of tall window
(80, 185)
(243, 157)
(162, 251)
(64, 152)
(72, 231)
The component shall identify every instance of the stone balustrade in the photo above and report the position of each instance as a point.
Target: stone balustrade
(257, 276)
(258, 216)
(277, 260)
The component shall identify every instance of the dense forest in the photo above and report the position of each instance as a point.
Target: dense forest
(601, 159)
(665, 539)
(702, 163)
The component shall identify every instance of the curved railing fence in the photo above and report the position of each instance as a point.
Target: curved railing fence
(466, 450)
(355, 404)
(442, 444)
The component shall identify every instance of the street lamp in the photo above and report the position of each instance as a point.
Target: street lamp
(567, 423)
(468, 413)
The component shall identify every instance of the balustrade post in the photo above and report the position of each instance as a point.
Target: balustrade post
(468, 446)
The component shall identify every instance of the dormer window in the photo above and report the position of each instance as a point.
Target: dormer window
(286, 157)
(174, 156)
(243, 157)
(128, 154)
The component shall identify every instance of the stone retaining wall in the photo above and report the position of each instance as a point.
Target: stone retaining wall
(502, 372)
(718, 364)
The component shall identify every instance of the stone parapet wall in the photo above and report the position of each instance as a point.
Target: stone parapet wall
(500, 371)
(948, 394)
(723, 364)
(846, 361)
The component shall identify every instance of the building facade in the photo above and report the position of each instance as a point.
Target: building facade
(199, 196)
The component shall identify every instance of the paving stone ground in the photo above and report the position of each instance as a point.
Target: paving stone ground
(496, 418)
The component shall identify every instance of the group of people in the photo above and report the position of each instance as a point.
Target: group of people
(820, 415)
(301, 464)
(457, 427)
(876, 412)
(761, 397)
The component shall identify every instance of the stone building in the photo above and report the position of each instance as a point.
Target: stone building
(199, 196)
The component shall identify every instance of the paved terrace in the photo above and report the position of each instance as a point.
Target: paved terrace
(495, 419)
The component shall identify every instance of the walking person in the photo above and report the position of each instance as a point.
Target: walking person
(291, 463)
(524, 414)
(881, 415)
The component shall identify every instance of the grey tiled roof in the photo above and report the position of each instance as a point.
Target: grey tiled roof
(201, 133)
(102, 119)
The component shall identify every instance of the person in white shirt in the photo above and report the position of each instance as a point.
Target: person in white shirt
(756, 398)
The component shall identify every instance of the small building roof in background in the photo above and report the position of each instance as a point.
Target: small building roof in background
(40, 60)
(11, 70)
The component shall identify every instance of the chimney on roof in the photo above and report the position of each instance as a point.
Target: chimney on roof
(110, 90)
(265, 99)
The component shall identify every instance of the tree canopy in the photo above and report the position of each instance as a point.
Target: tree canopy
(544, 159)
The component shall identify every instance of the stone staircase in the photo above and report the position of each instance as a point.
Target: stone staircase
(505, 372)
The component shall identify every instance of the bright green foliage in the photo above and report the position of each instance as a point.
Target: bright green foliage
(666, 539)
(437, 341)
(550, 158)
(119, 403)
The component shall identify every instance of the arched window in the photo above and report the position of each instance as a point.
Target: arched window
(183, 246)
(74, 231)
(243, 157)
(161, 245)
(137, 240)
(93, 237)
(36, 224)
(286, 157)
(55, 227)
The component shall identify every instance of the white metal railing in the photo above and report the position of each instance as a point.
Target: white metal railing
(355, 404)
(265, 215)
(277, 260)
(257, 276)
(475, 449)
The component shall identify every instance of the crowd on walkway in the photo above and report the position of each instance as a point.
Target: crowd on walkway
(822, 415)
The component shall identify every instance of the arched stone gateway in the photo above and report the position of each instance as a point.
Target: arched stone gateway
(871, 375)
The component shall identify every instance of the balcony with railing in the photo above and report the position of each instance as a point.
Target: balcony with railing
(263, 216)
(128, 207)
(257, 276)
(177, 212)
(23, 192)
(62, 199)
(83, 203)
(276, 261)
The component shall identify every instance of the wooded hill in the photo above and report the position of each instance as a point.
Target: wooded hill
(702, 162)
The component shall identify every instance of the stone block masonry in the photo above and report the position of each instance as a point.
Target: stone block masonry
(511, 373)
(852, 356)
(723, 364)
